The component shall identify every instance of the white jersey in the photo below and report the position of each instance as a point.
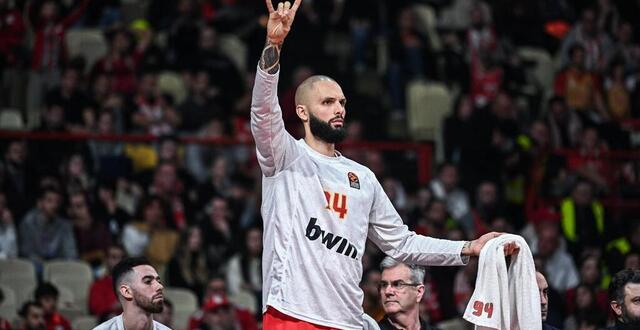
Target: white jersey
(318, 212)
(117, 323)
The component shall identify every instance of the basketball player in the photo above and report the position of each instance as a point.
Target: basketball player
(319, 207)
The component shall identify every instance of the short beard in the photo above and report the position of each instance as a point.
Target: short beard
(148, 305)
(628, 319)
(323, 130)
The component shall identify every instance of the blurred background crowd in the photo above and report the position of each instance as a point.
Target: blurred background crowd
(531, 107)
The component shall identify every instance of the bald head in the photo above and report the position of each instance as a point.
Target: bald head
(307, 87)
(543, 288)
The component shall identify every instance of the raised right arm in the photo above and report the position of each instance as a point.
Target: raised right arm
(274, 146)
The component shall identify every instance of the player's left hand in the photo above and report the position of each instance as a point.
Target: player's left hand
(511, 248)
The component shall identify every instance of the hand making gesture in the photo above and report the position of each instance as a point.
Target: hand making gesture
(280, 20)
(278, 27)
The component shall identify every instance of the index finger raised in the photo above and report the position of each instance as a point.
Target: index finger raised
(270, 6)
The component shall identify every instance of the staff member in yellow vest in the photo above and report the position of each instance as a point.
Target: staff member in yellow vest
(583, 222)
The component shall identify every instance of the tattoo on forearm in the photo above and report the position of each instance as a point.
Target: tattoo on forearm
(270, 59)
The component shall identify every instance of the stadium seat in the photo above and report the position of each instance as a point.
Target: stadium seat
(88, 43)
(233, 47)
(244, 300)
(73, 275)
(9, 306)
(11, 119)
(184, 302)
(544, 68)
(171, 83)
(68, 305)
(427, 105)
(17, 268)
(22, 287)
(84, 323)
(427, 22)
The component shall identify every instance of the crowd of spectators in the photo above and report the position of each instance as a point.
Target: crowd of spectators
(519, 156)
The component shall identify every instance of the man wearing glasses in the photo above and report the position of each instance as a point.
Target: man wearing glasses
(401, 290)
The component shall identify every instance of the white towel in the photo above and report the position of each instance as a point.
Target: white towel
(505, 300)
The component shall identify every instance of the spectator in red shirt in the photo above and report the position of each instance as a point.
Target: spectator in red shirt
(103, 302)
(49, 48)
(31, 316)
(12, 31)
(47, 295)
(215, 297)
(122, 60)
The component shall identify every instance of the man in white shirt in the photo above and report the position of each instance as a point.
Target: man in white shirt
(319, 207)
(139, 289)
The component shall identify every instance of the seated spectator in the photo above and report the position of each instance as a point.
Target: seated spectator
(595, 41)
(47, 296)
(456, 129)
(626, 48)
(150, 235)
(201, 105)
(189, 267)
(445, 187)
(564, 124)
(152, 112)
(183, 33)
(218, 314)
(558, 264)
(12, 49)
(435, 221)
(172, 189)
(624, 290)
(44, 234)
(627, 244)
(72, 98)
(18, 177)
(102, 151)
(487, 207)
(372, 304)
(166, 316)
(580, 87)
(223, 73)
(92, 237)
(215, 295)
(107, 208)
(49, 155)
(32, 316)
(587, 160)
(587, 309)
(591, 276)
(221, 234)
(583, 220)
(618, 89)
(103, 302)
(8, 235)
(75, 174)
(121, 61)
